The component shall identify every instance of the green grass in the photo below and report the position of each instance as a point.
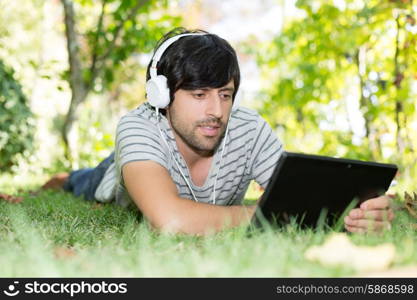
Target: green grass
(55, 234)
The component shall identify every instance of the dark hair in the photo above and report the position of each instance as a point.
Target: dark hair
(197, 61)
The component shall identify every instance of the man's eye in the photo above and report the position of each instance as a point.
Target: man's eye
(199, 95)
(226, 96)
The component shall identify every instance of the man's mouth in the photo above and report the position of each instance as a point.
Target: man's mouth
(209, 130)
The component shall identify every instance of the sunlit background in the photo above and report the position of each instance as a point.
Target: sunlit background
(335, 77)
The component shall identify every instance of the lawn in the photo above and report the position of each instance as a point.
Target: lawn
(53, 234)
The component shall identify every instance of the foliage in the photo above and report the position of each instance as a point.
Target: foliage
(112, 31)
(96, 132)
(105, 52)
(32, 39)
(342, 79)
(16, 121)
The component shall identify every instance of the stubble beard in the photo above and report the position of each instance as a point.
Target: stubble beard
(204, 145)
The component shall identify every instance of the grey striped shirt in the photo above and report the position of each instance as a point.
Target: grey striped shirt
(252, 151)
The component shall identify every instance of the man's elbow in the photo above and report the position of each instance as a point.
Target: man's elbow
(175, 224)
(168, 224)
(172, 226)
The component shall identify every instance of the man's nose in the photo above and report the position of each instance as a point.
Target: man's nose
(214, 106)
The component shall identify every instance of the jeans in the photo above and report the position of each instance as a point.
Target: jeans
(84, 182)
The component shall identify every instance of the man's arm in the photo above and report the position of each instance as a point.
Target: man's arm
(152, 189)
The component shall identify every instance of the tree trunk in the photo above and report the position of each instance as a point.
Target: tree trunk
(80, 86)
(363, 102)
(398, 77)
(79, 91)
(370, 131)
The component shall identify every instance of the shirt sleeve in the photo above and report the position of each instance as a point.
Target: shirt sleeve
(138, 139)
(266, 152)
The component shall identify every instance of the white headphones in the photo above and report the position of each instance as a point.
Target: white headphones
(159, 97)
(157, 90)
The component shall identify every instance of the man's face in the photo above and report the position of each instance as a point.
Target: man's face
(199, 117)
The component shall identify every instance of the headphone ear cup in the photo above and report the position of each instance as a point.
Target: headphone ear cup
(157, 91)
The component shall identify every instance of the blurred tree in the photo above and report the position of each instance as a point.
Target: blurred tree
(121, 29)
(16, 121)
(343, 56)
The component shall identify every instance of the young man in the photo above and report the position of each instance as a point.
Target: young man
(188, 148)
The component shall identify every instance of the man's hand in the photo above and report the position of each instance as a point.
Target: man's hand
(373, 215)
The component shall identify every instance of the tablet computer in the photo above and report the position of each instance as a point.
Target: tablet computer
(312, 188)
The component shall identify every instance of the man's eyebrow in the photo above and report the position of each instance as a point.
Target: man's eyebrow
(221, 89)
(227, 89)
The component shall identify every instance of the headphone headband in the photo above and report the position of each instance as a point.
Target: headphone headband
(161, 49)
(157, 90)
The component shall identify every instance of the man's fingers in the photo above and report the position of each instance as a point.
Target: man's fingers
(356, 213)
(379, 215)
(354, 229)
(381, 202)
(366, 224)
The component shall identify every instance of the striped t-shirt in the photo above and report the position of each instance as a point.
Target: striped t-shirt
(251, 153)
